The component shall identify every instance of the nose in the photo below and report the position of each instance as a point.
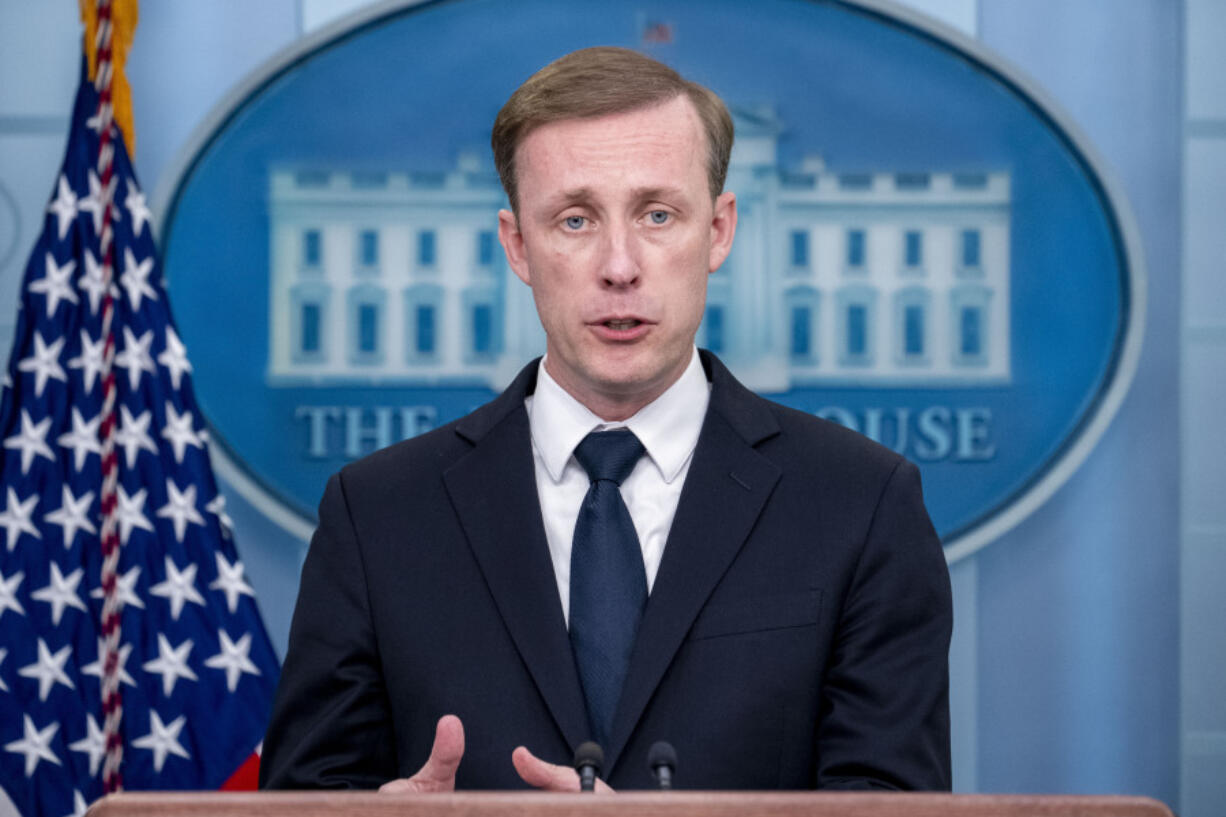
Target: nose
(619, 267)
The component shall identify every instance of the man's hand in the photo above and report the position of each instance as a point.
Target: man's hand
(549, 776)
(439, 772)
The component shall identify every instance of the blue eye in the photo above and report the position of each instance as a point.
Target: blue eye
(659, 216)
(575, 222)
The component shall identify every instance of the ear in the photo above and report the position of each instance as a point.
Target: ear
(513, 245)
(723, 228)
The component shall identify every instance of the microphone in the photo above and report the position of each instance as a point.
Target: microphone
(589, 760)
(662, 760)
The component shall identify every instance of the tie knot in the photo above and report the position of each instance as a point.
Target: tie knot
(609, 455)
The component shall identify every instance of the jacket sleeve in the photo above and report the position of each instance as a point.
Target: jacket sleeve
(330, 725)
(885, 697)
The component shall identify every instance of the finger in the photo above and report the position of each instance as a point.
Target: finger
(445, 755)
(439, 772)
(539, 774)
(549, 776)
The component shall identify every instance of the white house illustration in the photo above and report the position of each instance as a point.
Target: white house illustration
(863, 279)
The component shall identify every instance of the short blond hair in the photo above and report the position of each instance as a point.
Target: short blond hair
(600, 81)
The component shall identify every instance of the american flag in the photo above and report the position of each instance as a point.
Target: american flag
(196, 670)
(656, 32)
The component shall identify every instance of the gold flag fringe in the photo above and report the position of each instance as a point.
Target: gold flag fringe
(124, 14)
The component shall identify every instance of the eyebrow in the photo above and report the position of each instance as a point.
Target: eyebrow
(580, 194)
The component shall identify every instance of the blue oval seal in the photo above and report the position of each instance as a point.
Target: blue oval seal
(928, 251)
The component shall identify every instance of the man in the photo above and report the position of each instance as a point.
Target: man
(759, 587)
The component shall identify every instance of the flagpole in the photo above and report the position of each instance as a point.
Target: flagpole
(112, 697)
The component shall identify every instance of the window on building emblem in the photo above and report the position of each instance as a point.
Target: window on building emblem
(913, 331)
(970, 328)
(365, 324)
(369, 248)
(714, 321)
(970, 249)
(856, 316)
(970, 317)
(913, 249)
(427, 252)
(310, 329)
(425, 329)
(308, 315)
(800, 248)
(802, 305)
(855, 249)
(485, 248)
(857, 330)
(483, 329)
(368, 328)
(802, 331)
(312, 248)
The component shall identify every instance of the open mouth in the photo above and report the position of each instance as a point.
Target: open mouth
(622, 324)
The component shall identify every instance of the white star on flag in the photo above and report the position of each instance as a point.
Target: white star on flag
(180, 508)
(171, 663)
(126, 586)
(3, 654)
(92, 282)
(44, 363)
(218, 508)
(178, 431)
(92, 203)
(72, 514)
(135, 356)
(174, 357)
(15, 518)
(36, 745)
(89, 361)
(133, 434)
(233, 658)
(230, 581)
(94, 123)
(135, 279)
(135, 202)
(83, 439)
(48, 669)
(8, 594)
(63, 206)
(32, 441)
(130, 513)
(61, 592)
(162, 740)
(56, 284)
(178, 588)
(94, 744)
(94, 668)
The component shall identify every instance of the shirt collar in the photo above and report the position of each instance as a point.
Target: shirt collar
(668, 426)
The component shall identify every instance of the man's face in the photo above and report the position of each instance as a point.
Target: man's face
(616, 235)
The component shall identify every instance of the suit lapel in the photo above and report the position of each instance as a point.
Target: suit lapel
(727, 485)
(493, 490)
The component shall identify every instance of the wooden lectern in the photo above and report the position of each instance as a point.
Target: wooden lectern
(647, 804)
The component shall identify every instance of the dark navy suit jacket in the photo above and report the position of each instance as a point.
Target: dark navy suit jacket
(796, 636)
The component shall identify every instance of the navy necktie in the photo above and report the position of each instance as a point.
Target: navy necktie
(608, 585)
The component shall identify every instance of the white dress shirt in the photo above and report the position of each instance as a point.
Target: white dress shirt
(668, 427)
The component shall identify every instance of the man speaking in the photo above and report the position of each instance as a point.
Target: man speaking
(626, 546)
